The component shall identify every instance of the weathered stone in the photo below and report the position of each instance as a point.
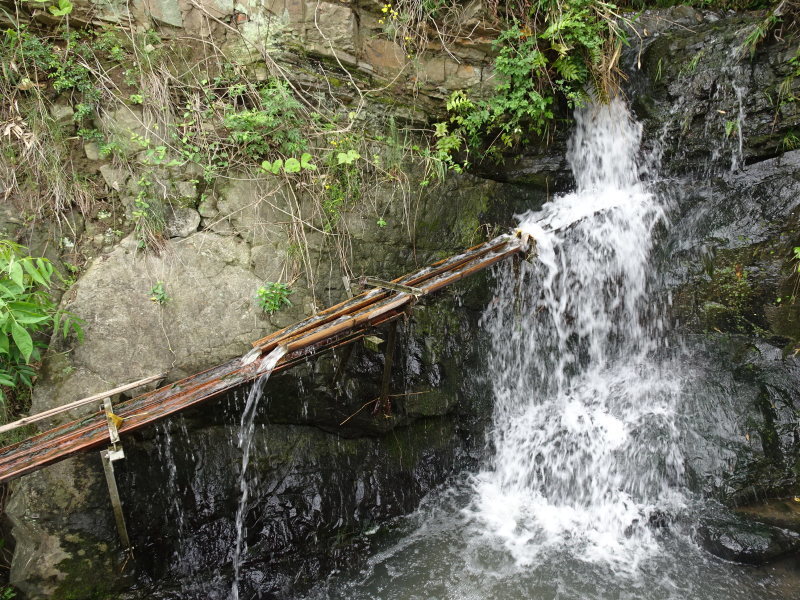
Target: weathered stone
(167, 12)
(182, 221)
(331, 26)
(386, 57)
(114, 177)
(746, 542)
(433, 70)
(208, 207)
(268, 263)
(124, 126)
(186, 191)
(256, 209)
(92, 151)
(132, 337)
(61, 113)
(220, 226)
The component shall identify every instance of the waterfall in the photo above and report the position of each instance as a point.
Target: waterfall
(584, 433)
(246, 430)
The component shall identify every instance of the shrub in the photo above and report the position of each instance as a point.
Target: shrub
(26, 312)
(273, 296)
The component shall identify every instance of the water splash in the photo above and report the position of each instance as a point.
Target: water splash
(584, 425)
(246, 430)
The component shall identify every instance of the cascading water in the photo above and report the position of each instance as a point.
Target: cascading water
(592, 419)
(584, 433)
(246, 429)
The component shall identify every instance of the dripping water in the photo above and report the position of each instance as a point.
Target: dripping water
(245, 439)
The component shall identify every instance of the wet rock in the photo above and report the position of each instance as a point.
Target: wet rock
(784, 514)
(746, 542)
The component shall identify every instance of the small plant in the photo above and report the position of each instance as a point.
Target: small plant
(790, 141)
(61, 9)
(761, 30)
(290, 165)
(273, 296)
(26, 312)
(158, 294)
(148, 215)
(347, 158)
(691, 66)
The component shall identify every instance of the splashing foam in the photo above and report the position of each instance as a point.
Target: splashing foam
(584, 424)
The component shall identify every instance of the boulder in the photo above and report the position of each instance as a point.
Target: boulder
(748, 542)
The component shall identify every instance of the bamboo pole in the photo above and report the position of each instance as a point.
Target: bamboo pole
(335, 326)
(78, 403)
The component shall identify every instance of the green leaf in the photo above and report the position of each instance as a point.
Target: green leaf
(25, 378)
(305, 162)
(34, 273)
(31, 319)
(6, 380)
(64, 8)
(4, 344)
(347, 158)
(23, 340)
(292, 165)
(15, 273)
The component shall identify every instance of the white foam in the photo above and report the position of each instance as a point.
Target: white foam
(583, 428)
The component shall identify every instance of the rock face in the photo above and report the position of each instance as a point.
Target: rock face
(728, 259)
(348, 33)
(191, 305)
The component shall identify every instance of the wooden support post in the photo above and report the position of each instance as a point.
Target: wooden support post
(108, 459)
(388, 362)
(108, 456)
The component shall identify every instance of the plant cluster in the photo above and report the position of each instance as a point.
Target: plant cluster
(158, 294)
(273, 296)
(35, 65)
(552, 49)
(26, 313)
(416, 25)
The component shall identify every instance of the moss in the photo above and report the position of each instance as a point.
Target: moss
(91, 571)
(405, 448)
